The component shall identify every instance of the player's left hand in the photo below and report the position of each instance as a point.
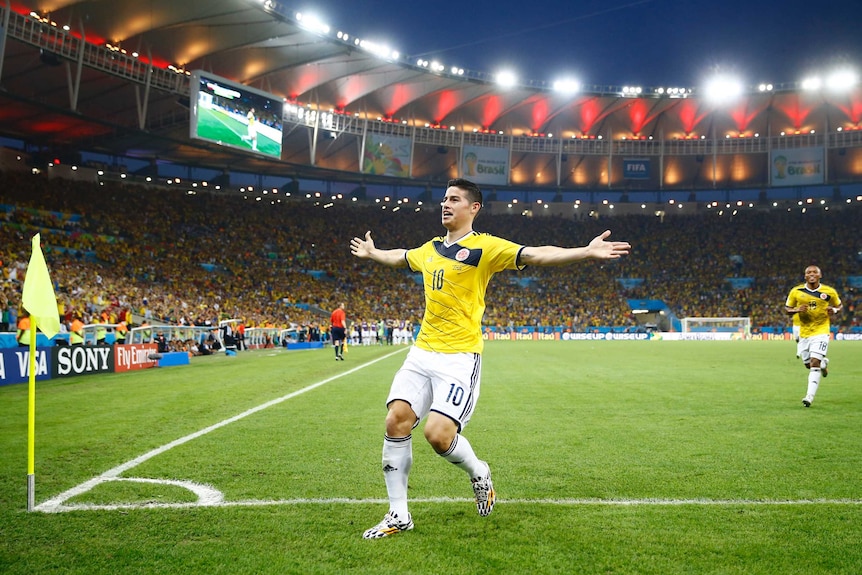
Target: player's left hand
(601, 249)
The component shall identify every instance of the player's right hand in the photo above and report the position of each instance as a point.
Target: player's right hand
(362, 248)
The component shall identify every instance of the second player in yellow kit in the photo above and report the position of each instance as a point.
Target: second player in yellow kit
(813, 303)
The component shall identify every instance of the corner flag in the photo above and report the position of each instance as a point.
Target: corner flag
(38, 295)
(39, 300)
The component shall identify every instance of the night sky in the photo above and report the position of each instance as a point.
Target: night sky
(623, 42)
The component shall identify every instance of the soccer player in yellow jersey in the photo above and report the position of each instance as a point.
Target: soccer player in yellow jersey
(440, 375)
(814, 303)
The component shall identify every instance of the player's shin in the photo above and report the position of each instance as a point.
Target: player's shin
(461, 454)
(397, 461)
(813, 381)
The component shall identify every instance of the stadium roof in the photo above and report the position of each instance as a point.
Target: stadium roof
(125, 89)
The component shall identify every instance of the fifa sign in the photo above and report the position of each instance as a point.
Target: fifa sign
(636, 169)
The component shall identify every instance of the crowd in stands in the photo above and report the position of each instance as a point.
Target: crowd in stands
(193, 259)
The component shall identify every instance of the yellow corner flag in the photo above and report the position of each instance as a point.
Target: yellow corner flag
(38, 295)
(39, 300)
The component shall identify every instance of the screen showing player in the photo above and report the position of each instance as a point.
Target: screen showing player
(230, 114)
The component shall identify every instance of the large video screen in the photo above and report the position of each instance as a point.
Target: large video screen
(234, 115)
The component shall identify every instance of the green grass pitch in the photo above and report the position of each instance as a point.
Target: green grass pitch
(608, 457)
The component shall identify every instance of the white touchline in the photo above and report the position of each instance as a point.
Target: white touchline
(55, 504)
(215, 501)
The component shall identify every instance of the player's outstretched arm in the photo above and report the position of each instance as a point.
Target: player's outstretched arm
(365, 249)
(598, 248)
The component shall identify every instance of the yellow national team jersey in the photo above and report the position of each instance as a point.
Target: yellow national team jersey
(816, 320)
(455, 278)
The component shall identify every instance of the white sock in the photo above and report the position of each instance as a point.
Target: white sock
(397, 461)
(813, 380)
(461, 454)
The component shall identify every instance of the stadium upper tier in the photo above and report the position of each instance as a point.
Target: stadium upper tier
(115, 77)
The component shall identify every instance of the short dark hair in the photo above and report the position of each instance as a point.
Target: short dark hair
(468, 186)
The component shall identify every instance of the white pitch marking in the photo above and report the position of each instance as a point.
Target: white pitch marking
(207, 494)
(56, 503)
(560, 502)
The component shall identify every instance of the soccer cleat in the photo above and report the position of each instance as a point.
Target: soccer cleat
(806, 401)
(483, 487)
(389, 526)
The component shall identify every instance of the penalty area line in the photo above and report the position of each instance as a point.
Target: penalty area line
(52, 505)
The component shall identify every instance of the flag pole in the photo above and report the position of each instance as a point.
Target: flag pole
(38, 298)
(31, 422)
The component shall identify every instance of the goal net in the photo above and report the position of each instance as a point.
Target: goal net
(731, 326)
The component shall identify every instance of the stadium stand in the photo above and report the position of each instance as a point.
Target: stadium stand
(195, 259)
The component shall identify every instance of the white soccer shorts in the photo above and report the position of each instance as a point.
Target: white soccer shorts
(814, 346)
(447, 383)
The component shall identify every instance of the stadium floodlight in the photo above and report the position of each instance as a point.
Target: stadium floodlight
(313, 23)
(723, 89)
(812, 83)
(379, 50)
(507, 78)
(567, 86)
(842, 80)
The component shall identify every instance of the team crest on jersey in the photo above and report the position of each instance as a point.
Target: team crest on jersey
(824, 296)
(462, 254)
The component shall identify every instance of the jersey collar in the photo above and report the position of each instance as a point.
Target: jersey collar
(447, 244)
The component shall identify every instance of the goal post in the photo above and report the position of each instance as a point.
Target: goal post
(731, 325)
